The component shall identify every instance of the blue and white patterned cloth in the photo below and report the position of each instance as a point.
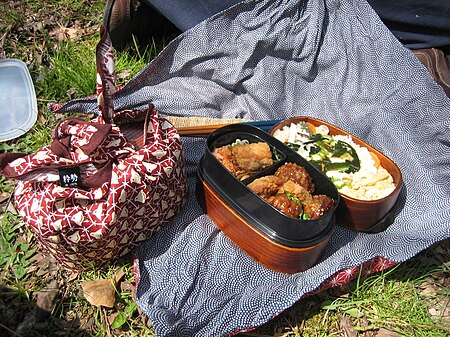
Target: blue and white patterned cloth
(260, 60)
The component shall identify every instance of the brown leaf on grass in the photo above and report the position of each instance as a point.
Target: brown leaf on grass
(428, 288)
(368, 331)
(441, 309)
(127, 286)
(9, 207)
(111, 317)
(346, 325)
(119, 276)
(42, 119)
(4, 196)
(382, 332)
(72, 276)
(67, 33)
(100, 292)
(59, 116)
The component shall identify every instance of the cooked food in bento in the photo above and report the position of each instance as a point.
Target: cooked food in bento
(290, 191)
(297, 174)
(354, 170)
(266, 186)
(243, 159)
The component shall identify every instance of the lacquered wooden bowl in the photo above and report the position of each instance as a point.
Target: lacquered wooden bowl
(270, 253)
(277, 241)
(370, 216)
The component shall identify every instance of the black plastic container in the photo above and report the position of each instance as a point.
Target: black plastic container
(255, 212)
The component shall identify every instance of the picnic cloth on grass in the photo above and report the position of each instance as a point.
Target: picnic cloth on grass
(259, 60)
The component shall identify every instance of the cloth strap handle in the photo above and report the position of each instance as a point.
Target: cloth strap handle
(105, 62)
(61, 138)
(60, 147)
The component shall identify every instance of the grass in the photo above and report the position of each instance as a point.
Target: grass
(405, 299)
(14, 255)
(394, 300)
(391, 299)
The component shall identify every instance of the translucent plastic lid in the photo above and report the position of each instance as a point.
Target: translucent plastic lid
(18, 104)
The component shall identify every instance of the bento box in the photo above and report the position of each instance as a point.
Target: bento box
(368, 182)
(285, 241)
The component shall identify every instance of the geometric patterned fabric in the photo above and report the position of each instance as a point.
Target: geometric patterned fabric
(84, 227)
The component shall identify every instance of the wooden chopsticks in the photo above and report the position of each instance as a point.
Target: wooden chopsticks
(204, 130)
(199, 130)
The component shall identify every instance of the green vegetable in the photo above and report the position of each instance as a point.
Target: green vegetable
(293, 146)
(339, 183)
(276, 154)
(302, 215)
(326, 147)
(306, 216)
(305, 128)
(293, 198)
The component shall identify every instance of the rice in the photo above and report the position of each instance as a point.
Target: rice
(369, 182)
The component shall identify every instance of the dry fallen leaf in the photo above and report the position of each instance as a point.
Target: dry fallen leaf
(111, 317)
(119, 276)
(428, 288)
(128, 286)
(67, 33)
(4, 196)
(346, 325)
(72, 276)
(440, 309)
(100, 292)
(368, 331)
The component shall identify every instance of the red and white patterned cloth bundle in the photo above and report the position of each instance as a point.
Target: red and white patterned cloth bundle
(98, 190)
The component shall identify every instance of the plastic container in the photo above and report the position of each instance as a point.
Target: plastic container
(18, 104)
(274, 239)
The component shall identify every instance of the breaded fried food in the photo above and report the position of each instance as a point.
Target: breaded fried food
(225, 156)
(252, 157)
(266, 186)
(297, 191)
(243, 160)
(290, 197)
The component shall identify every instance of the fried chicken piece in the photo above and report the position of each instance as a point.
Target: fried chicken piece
(266, 186)
(252, 157)
(313, 205)
(318, 206)
(297, 191)
(243, 160)
(297, 174)
(289, 190)
(285, 205)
